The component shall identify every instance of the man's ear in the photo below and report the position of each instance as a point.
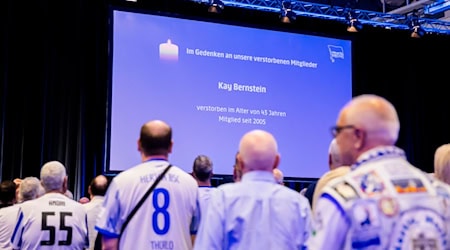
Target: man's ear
(170, 147)
(139, 147)
(241, 164)
(64, 187)
(277, 161)
(360, 138)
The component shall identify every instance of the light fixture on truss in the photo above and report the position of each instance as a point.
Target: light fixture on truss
(216, 6)
(354, 25)
(416, 29)
(287, 15)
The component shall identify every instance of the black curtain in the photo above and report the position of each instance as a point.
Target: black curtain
(54, 82)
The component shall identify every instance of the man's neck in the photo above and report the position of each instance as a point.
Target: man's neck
(55, 191)
(204, 183)
(93, 196)
(154, 157)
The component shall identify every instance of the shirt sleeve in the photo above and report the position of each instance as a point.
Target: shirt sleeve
(211, 231)
(330, 225)
(109, 222)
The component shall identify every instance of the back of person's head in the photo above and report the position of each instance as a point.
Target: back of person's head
(30, 188)
(366, 122)
(258, 150)
(442, 163)
(7, 192)
(53, 176)
(334, 157)
(376, 115)
(278, 175)
(155, 138)
(98, 186)
(202, 168)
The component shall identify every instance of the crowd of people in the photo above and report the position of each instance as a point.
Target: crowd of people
(372, 197)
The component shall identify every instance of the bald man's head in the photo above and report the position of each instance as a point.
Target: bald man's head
(155, 138)
(258, 150)
(366, 122)
(98, 186)
(375, 115)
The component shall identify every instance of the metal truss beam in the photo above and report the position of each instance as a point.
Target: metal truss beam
(437, 7)
(315, 10)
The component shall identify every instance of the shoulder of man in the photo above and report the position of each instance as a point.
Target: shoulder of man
(342, 189)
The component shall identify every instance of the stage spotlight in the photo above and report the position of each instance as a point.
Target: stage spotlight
(354, 25)
(216, 6)
(286, 13)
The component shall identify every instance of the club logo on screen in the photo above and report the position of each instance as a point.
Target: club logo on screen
(335, 52)
(168, 51)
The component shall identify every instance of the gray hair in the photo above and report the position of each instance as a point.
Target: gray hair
(442, 163)
(52, 176)
(202, 167)
(30, 188)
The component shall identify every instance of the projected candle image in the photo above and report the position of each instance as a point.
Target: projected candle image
(168, 51)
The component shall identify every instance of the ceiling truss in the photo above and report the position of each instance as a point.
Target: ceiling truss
(391, 20)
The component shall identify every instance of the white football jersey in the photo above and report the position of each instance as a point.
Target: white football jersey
(51, 221)
(165, 220)
(204, 194)
(8, 216)
(92, 209)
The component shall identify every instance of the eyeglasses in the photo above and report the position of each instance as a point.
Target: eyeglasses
(335, 130)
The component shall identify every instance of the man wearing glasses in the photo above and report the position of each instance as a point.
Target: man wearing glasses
(384, 202)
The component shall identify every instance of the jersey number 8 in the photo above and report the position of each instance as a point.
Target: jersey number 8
(161, 210)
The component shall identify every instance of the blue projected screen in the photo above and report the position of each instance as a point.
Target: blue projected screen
(213, 82)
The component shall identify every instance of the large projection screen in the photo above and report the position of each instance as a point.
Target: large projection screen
(213, 82)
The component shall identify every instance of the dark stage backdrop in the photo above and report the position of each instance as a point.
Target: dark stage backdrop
(54, 82)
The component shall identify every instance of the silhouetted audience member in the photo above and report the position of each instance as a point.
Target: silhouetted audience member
(84, 200)
(336, 170)
(30, 188)
(97, 190)
(7, 193)
(334, 161)
(202, 170)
